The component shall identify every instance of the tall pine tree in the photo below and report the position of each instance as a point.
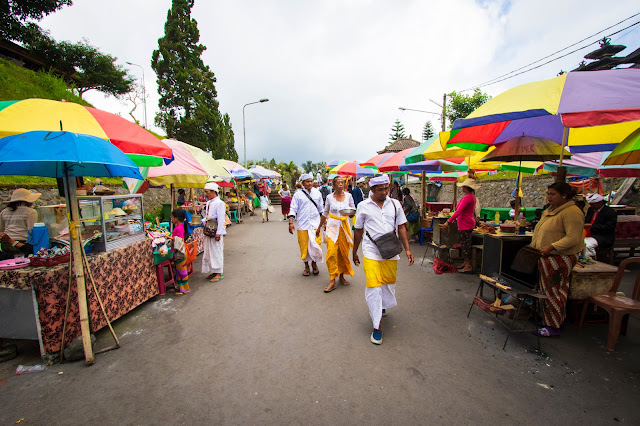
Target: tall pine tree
(188, 105)
(427, 132)
(398, 131)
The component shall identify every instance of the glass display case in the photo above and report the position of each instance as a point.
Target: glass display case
(117, 219)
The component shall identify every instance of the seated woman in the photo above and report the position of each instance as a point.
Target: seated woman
(559, 237)
(15, 221)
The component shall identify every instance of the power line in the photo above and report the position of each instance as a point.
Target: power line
(511, 73)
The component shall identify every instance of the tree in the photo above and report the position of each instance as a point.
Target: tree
(17, 17)
(398, 131)
(459, 105)
(307, 166)
(229, 144)
(427, 132)
(189, 110)
(136, 98)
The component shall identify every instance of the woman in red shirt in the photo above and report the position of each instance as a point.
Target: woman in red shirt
(465, 215)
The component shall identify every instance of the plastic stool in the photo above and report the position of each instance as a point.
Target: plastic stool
(234, 215)
(162, 284)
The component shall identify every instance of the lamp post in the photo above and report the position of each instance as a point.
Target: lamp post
(144, 94)
(423, 179)
(244, 132)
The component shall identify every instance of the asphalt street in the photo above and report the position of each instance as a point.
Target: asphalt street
(266, 346)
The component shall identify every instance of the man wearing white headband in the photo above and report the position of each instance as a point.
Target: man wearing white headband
(306, 208)
(213, 256)
(357, 193)
(600, 225)
(376, 216)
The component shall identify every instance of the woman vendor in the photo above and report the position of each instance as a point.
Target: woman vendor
(339, 238)
(558, 236)
(15, 221)
(465, 215)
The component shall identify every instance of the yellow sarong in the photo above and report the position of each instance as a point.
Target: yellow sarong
(380, 272)
(338, 252)
(303, 242)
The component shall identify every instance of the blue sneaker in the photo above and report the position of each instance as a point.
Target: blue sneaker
(384, 312)
(376, 337)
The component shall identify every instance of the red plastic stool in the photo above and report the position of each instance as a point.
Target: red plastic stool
(162, 284)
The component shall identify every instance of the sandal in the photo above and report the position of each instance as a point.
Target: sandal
(546, 332)
(215, 280)
(330, 288)
(316, 271)
(306, 273)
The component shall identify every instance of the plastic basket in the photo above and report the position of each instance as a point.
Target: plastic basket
(158, 259)
(50, 261)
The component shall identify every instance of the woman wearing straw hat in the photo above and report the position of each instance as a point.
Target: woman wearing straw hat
(16, 220)
(465, 215)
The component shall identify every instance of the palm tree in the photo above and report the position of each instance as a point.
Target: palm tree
(307, 166)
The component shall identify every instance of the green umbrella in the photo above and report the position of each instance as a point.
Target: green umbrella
(628, 152)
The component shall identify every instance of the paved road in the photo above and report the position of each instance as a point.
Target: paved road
(266, 346)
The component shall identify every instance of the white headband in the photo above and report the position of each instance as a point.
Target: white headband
(379, 180)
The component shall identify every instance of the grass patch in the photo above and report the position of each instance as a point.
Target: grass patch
(20, 83)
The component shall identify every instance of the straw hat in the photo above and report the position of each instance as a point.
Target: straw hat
(471, 183)
(117, 211)
(22, 194)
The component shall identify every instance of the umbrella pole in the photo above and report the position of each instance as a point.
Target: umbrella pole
(561, 173)
(455, 194)
(516, 218)
(173, 203)
(423, 207)
(74, 228)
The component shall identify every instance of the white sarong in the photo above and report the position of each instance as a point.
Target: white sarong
(379, 298)
(213, 256)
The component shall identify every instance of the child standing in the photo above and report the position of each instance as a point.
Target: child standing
(179, 236)
(264, 205)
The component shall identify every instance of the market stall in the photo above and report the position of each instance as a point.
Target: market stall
(125, 278)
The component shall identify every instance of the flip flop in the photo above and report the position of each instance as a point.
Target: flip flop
(215, 280)
(465, 272)
(316, 271)
(330, 289)
(546, 332)
(306, 273)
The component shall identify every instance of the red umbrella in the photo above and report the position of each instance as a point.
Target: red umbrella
(392, 164)
(377, 160)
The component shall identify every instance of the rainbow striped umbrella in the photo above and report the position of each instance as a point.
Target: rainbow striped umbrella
(353, 168)
(43, 114)
(377, 160)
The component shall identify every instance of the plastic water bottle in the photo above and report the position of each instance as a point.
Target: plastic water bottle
(39, 237)
(25, 369)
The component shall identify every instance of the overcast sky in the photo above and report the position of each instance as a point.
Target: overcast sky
(337, 71)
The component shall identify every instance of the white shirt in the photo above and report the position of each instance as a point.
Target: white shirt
(334, 206)
(306, 212)
(216, 209)
(378, 221)
(264, 202)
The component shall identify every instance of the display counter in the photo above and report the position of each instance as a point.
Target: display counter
(125, 278)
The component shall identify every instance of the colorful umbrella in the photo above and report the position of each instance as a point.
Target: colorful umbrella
(584, 139)
(592, 163)
(353, 168)
(334, 163)
(236, 170)
(185, 170)
(260, 172)
(628, 152)
(435, 149)
(377, 160)
(526, 148)
(44, 114)
(581, 98)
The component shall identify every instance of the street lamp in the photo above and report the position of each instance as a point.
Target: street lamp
(244, 133)
(144, 94)
(418, 110)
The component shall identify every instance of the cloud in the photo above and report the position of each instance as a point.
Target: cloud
(337, 71)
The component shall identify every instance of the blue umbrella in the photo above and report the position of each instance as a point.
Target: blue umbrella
(64, 155)
(59, 154)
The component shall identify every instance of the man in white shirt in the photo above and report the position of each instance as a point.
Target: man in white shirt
(306, 208)
(213, 256)
(378, 215)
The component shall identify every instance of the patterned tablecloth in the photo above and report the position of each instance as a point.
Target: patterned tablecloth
(125, 278)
